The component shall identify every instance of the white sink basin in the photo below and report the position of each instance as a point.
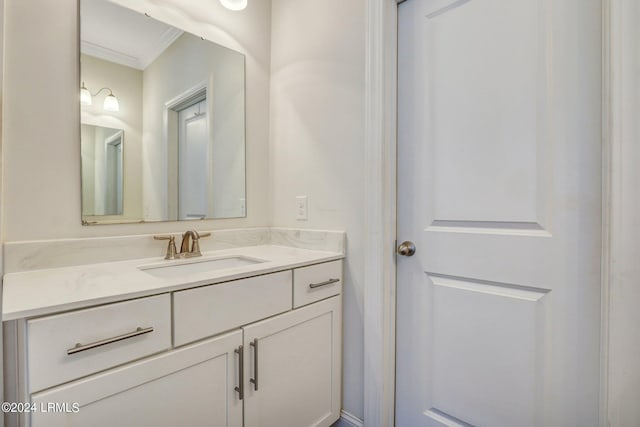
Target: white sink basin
(181, 268)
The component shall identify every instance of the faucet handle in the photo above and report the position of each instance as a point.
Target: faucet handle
(171, 247)
(195, 246)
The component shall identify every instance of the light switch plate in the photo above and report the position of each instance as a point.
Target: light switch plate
(301, 208)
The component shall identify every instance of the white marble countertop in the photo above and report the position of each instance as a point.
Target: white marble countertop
(39, 292)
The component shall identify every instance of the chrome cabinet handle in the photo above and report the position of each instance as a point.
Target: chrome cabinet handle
(240, 388)
(254, 380)
(328, 282)
(84, 347)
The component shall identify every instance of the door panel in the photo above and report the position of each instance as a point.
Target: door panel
(499, 187)
(474, 350)
(467, 85)
(194, 162)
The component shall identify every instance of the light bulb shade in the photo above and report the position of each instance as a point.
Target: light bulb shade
(111, 103)
(85, 96)
(234, 4)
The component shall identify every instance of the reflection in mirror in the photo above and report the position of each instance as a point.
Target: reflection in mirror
(102, 180)
(181, 102)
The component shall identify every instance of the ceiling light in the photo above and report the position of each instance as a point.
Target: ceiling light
(234, 4)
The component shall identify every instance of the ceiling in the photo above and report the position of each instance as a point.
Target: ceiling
(120, 35)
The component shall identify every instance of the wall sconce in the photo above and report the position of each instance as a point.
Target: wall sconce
(234, 4)
(110, 101)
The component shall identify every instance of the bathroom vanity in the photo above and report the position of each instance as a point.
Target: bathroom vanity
(238, 337)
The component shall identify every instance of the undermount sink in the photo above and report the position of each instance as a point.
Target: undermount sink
(182, 268)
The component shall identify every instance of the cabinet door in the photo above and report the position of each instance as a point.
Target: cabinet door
(297, 365)
(192, 386)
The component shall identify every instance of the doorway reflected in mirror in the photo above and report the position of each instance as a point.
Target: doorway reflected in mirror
(175, 165)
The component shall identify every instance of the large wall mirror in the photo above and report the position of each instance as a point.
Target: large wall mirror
(162, 121)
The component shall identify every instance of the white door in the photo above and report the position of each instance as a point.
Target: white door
(499, 187)
(194, 173)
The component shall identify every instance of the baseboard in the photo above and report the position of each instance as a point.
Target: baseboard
(348, 420)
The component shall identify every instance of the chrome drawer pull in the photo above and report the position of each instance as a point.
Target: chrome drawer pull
(240, 388)
(328, 282)
(254, 380)
(80, 347)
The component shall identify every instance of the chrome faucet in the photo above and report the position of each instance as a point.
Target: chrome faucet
(193, 237)
(190, 246)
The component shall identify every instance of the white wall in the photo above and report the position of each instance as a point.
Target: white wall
(41, 198)
(624, 316)
(317, 140)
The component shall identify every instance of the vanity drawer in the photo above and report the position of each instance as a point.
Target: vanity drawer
(206, 311)
(119, 332)
(316, 282)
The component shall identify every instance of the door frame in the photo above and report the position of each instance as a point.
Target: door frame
(621, 38)
(113, 140)
(380, 212)
(170, 138)
(380, 200)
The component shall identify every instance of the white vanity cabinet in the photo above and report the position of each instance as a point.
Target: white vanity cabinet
(190, 386)
(209, 310)
(262, 351)
(60, 346)
(294, 368)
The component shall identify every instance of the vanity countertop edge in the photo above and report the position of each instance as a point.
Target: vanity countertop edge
(48, 291)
